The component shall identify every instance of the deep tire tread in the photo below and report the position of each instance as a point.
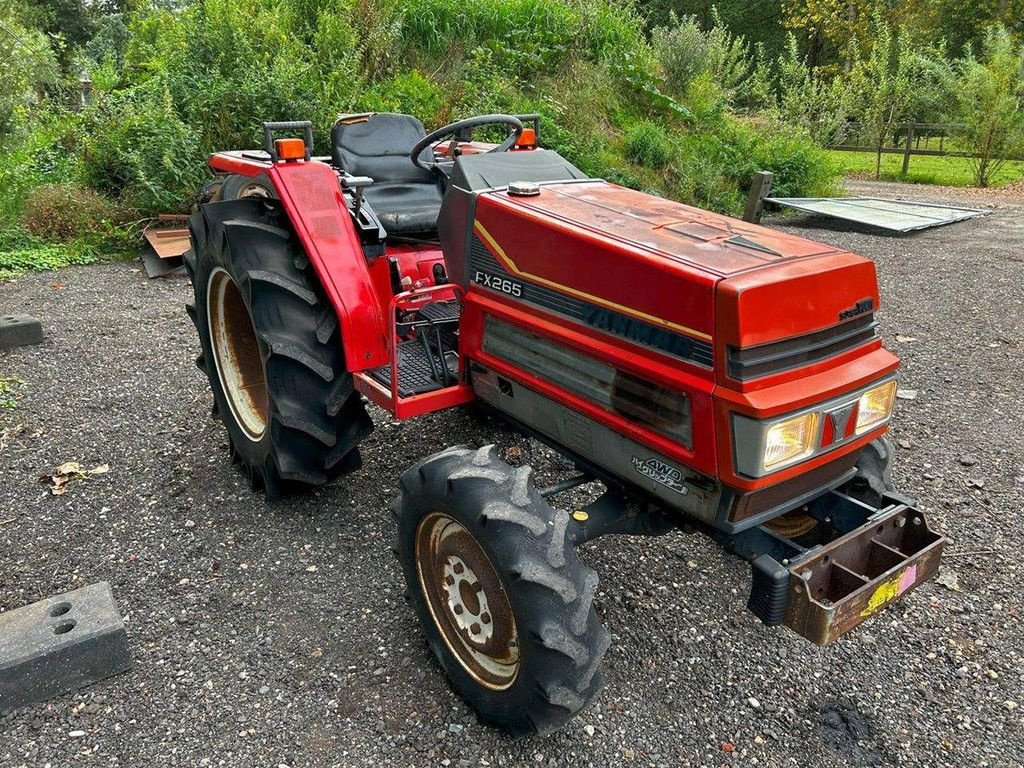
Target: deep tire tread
(317, 419)
(552, 591)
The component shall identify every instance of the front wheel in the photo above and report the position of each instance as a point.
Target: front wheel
(505, 603)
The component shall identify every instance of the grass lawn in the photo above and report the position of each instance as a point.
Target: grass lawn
(924, 169)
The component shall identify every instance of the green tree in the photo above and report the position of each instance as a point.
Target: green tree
(885, 86)
(72, 22)
(757, 21)
(835, 29)
(815, 103)
(963, 26)
(30, 67)
(687, 51)
(990, 103)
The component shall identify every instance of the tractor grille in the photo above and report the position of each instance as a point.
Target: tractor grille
(778, 356)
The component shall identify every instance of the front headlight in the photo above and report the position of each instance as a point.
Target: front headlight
(875, 406)
(789, 440)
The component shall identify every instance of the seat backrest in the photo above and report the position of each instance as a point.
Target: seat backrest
(377, 144)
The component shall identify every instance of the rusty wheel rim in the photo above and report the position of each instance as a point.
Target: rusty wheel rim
(236, 354)
(792, 524)
(467, 601)
(254, 189)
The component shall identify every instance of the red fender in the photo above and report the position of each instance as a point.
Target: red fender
(312, 198)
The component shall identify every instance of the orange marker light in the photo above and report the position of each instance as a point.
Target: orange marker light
(528, 138)
(290, 149)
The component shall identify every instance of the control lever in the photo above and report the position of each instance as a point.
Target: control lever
(356, 183)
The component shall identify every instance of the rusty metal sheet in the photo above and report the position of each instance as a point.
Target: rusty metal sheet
(893, 215)
(859, 574)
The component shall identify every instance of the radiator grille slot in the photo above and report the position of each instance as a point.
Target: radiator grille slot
(778, 356)
(624, 394)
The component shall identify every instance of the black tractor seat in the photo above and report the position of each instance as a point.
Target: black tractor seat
(405, 198)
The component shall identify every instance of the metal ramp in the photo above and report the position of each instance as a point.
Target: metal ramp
(893, 215)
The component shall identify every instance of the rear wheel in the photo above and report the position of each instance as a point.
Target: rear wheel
(505, 603)
(271, 348)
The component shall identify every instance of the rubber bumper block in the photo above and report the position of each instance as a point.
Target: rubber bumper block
(19, 331)
(59, 645)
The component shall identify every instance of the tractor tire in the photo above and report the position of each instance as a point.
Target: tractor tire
(505, 603)
(874, 472)
(238, 187)
(272, 349)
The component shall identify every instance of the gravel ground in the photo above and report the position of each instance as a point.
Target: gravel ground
(267, 635)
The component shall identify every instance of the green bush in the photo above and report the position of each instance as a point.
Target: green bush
(229, 65)
(717, 167)
(648, 144)
(410, 93)
(138, 149)
(686, 51)
(42, 154)
(534, 36)
(800, 167)
(21, 252)
(62, 212)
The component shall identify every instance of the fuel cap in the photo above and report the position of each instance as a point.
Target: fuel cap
(523, 188)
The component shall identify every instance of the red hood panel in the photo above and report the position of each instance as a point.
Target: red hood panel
(596, 267)
(794, 298)
(696, 272)
(711, 242)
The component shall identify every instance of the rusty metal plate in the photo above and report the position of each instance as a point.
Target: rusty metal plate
(854, 577)
(894, 215)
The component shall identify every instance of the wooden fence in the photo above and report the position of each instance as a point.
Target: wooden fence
(907, 140)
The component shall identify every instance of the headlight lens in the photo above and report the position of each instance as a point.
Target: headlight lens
(790, 439)
(875, 406)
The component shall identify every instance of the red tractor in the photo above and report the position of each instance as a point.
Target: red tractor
(708, 373)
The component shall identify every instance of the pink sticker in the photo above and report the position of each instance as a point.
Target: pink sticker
(907, 579)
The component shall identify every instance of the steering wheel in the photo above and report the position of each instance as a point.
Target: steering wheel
(454, 129)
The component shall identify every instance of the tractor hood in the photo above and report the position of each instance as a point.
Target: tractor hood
(602, 253)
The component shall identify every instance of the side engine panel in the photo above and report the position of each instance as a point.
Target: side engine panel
(672, 483)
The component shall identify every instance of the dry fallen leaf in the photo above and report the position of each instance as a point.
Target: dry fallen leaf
(68, 472)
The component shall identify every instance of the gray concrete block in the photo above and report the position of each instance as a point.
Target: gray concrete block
(19, 331)
(60, 644)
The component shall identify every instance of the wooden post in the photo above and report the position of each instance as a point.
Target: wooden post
(908, 146)
(85, 90)
(760, 186)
